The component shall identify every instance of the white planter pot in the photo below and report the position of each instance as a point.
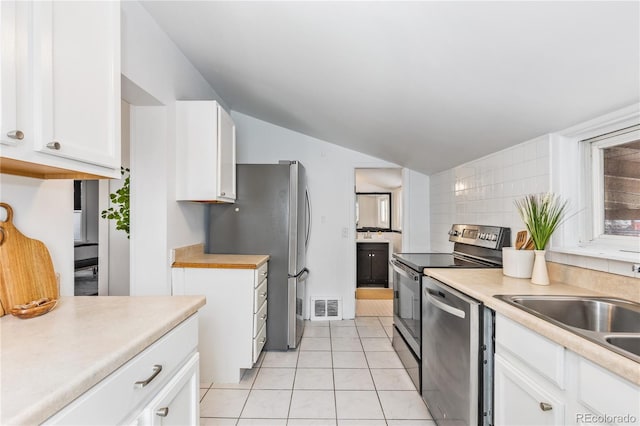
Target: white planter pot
(517, 263)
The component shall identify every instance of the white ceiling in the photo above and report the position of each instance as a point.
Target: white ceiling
(426, 85)
(372, 180)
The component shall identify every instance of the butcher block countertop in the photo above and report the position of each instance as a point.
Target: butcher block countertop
(483, 284)
(50, 360)
(194, 257)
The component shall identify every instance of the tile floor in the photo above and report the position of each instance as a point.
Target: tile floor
(344, 373)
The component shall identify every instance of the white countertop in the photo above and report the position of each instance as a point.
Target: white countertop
(483, 284)
(48, 361)
(372, 240)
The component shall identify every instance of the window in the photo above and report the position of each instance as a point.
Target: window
(615, 177)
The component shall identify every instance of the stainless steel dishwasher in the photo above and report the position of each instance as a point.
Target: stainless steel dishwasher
(457, 356)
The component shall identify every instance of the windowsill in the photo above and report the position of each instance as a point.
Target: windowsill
(601, 251)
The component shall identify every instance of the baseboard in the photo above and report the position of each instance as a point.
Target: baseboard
(374, 293)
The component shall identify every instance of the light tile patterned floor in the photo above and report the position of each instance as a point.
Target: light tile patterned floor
(345, 373)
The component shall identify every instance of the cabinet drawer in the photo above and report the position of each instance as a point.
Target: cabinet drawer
(260, 295)
(259, 318)
(537, 352)
(258, 342)
(261, 274)
(121, 388)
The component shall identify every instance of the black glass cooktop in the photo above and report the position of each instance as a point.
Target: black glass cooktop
(419, 261)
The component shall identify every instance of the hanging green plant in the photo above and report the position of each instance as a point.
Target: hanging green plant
(119, 211)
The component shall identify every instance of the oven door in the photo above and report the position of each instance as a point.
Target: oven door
(407, 305)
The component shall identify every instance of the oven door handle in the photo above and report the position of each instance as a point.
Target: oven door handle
(441, 305)
(400, 270)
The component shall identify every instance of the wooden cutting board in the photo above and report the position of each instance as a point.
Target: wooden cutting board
(26, 272)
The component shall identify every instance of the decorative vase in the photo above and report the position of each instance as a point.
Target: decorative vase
(539, 275)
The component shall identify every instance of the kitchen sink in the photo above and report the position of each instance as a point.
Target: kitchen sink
(628, 343)
(610, 322)
(587, 313)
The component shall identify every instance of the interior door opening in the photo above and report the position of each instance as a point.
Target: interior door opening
(378, 211)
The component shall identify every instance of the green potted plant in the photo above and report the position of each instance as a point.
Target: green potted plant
(541, 214)
(119, 211)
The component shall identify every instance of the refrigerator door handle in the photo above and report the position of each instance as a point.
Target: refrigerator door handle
(301, 276)
(308, 199)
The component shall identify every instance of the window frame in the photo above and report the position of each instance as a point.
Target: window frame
(570, 177)
(596, 150)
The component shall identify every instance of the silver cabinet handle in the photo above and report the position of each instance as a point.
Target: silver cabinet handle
(264, 339)
(162, 412)
(16, 134)
(223, 193)
(54, 145)
(264, 317)
(545, 406)
(156, 370)
(263, 294)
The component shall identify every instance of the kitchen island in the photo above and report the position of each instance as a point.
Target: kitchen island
(47, 362)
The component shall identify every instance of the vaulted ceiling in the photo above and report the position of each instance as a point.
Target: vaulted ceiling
(426, 85)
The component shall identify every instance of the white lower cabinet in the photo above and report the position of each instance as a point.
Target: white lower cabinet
(523, 401)
(233, 323)
(539, 382)
(174, 403)
(163, 376)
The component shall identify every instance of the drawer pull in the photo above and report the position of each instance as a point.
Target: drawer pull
(545, 406)
(264, 339)
(16, 134)
(264, 317)
(54, 145)
(263, 294)
(264, 274)
(156, 370)
(162, 412)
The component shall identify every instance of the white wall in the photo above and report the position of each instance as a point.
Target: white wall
(415, 212)
(43, 210)
(114, 244)
(483, 192)
(330, 170)
(154, 66)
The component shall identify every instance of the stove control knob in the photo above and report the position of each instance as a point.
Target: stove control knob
(494, 237)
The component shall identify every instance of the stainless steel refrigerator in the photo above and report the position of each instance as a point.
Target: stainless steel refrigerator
(271, 215)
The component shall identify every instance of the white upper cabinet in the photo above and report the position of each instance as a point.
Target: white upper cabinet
(60, 88)
(205, 152)
(10, 133)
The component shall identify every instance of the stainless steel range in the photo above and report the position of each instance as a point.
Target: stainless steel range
(476, 246)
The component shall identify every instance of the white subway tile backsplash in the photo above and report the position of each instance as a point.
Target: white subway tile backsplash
(597, 263)
(483, 191)
(621, 268)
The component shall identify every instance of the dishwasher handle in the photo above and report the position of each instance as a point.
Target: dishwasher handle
(429, 295)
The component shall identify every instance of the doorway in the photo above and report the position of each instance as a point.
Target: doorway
(378, 211)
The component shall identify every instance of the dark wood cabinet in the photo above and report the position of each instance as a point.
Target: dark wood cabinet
(372, 264)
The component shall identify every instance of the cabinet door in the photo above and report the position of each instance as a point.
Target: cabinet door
(178, 402)
(380, 264)
(363, 262)
(519, 400)
(8, 71)
(226, 155)
(77, 80)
